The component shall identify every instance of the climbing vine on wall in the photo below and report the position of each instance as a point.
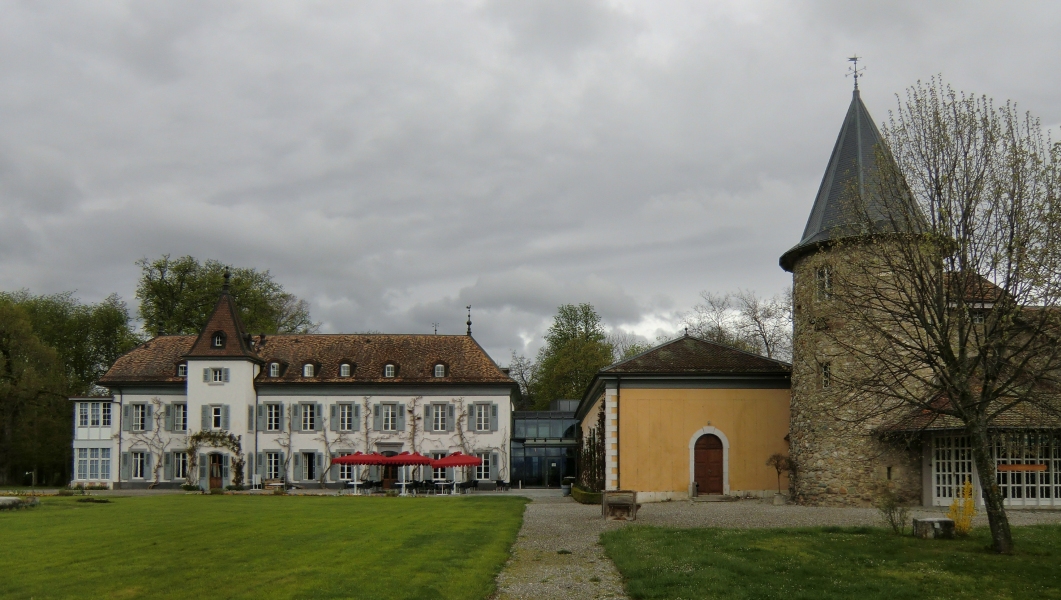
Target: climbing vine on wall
(591, 455)
(215, 439)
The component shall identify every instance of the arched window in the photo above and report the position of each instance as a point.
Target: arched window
(389, 370)
(440, 370)
(307, 370)
(274, 369)
(218, 340)
(344, 370)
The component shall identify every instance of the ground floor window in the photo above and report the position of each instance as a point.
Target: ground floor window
(272, 465)
(139, 464)
(439, 473)
(952, 462)
(483, 471)
(180, 465)
(93, 463)
(309, 466)
(1027, 467)
(346, 472)
(541, 466)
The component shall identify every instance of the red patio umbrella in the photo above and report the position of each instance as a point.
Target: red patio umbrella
(359, 458)
(457, 459)
(406, 459)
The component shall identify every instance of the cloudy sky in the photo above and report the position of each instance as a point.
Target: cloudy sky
(392, 162)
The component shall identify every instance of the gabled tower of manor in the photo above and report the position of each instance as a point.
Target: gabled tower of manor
(837, 463)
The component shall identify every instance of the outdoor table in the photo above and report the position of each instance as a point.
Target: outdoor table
(403, 484)
(354, 483)
(442, 486)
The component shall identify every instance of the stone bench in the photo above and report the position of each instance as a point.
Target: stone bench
(933, 528)
(619, 504)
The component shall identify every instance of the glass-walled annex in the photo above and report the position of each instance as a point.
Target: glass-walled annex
(543, 445)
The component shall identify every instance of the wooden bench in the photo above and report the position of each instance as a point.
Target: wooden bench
(272, 484)
(619, 504)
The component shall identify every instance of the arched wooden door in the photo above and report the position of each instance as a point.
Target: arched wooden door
(708, 464)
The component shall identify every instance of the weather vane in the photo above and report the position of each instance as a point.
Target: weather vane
(854, 71)
(436, 327)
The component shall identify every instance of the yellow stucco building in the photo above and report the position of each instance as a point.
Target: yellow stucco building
(691, 417)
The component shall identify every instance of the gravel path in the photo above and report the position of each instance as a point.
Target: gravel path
(551, 525)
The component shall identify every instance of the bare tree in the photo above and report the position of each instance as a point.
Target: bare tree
(625, 344)
(156, 439)
(945, 307)
(523, 371)
(765, 323)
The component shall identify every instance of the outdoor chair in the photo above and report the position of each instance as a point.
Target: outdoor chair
(501, 485)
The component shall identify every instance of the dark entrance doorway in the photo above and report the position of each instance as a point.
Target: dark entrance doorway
(216, 471)
(707, 461)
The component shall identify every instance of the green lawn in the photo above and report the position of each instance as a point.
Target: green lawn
(861, 563)
(197, 546)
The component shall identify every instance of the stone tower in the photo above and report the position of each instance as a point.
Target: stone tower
(838, 463)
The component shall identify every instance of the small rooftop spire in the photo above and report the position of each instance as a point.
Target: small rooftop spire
(854, 71)
(228, 276)
(469, 319)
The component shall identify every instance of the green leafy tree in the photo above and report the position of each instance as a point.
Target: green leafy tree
(177, 295)
(34, 413)
(576, 347)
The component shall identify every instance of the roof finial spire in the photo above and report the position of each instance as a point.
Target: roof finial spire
(854, 71)
(469, 319)
(224, 287)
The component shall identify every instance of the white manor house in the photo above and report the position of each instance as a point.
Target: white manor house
(223, 407)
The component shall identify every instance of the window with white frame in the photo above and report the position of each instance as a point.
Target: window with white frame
(180, 465)
(216, 418)
(309, 466)
(346, 472)
(82, 414)
(307, 370)
(482, 417)
(274, 369)
(273, 414)
(440, 472)
(390, 417)
(93, 463)
(272, 465)
(389, 370)
(180, 417)
(139, 417)
(346, 417)
(94, 414)
(483, 471)
(344, 370)
(217, 375)
(182, 370)
(105, 419)
(438, 417)
(82, 463)
(139, 465)
(440, 370)
(309, 417)
(104, 463)
(219, 340)
(977, 317)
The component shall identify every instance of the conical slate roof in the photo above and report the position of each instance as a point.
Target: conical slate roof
(851, 166)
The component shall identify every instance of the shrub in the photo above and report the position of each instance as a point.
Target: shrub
(892, 509)
(962, 510)
(65, 493)
(584, 496)
(216, 491)
(279, 492)
(188, 487)
(235, 488)
(93, 500)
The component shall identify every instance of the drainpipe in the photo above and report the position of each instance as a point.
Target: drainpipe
(618, 469)
(121, 414)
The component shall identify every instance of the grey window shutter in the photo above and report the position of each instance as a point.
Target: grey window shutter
(320, 465)
(333, 472)
(377, 421)
(169, 418)
(494, 459)
(148, 466)
(401, 417)
(224, 374)
(248, 469)
(449, 473)
(357, 418)
(167, 466)
(127, 419)
(250, 418)
(224, 418)
(281, 405)
(260, 464)
(206, 418)
(283, 466)
(333, 417)
(206, 375)
(261, 417)
(297, 460)
(204, 471)
(373, 473)
(451, 417)
(471, 417)
(126, 469)
(226, 463)
(318, 421)
(149, 417)
(296, 417)
(493, 417)
(429, 424)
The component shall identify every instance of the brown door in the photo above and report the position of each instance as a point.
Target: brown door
(215, 471)
(708, 464)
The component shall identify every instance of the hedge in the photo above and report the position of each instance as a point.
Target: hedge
(585, 496)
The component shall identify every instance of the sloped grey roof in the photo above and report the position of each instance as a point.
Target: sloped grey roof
(690, 355)
(851, 166)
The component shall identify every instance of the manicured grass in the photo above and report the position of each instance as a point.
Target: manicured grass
(859, 563)
(197, 546)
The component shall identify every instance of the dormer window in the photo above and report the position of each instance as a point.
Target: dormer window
(182, 370)
(389, 370)
(274, 369)
(307, 370)
(440, 370)
(344, 370)
(218, 341)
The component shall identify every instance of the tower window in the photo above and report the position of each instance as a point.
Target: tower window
(824, 279)
(440, 370)
(389, 370)
(826, 375)
(218, 340)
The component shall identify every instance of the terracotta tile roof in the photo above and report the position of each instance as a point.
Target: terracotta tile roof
(690, 355)
(153, 361)
(224, 320)
(414, 355)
